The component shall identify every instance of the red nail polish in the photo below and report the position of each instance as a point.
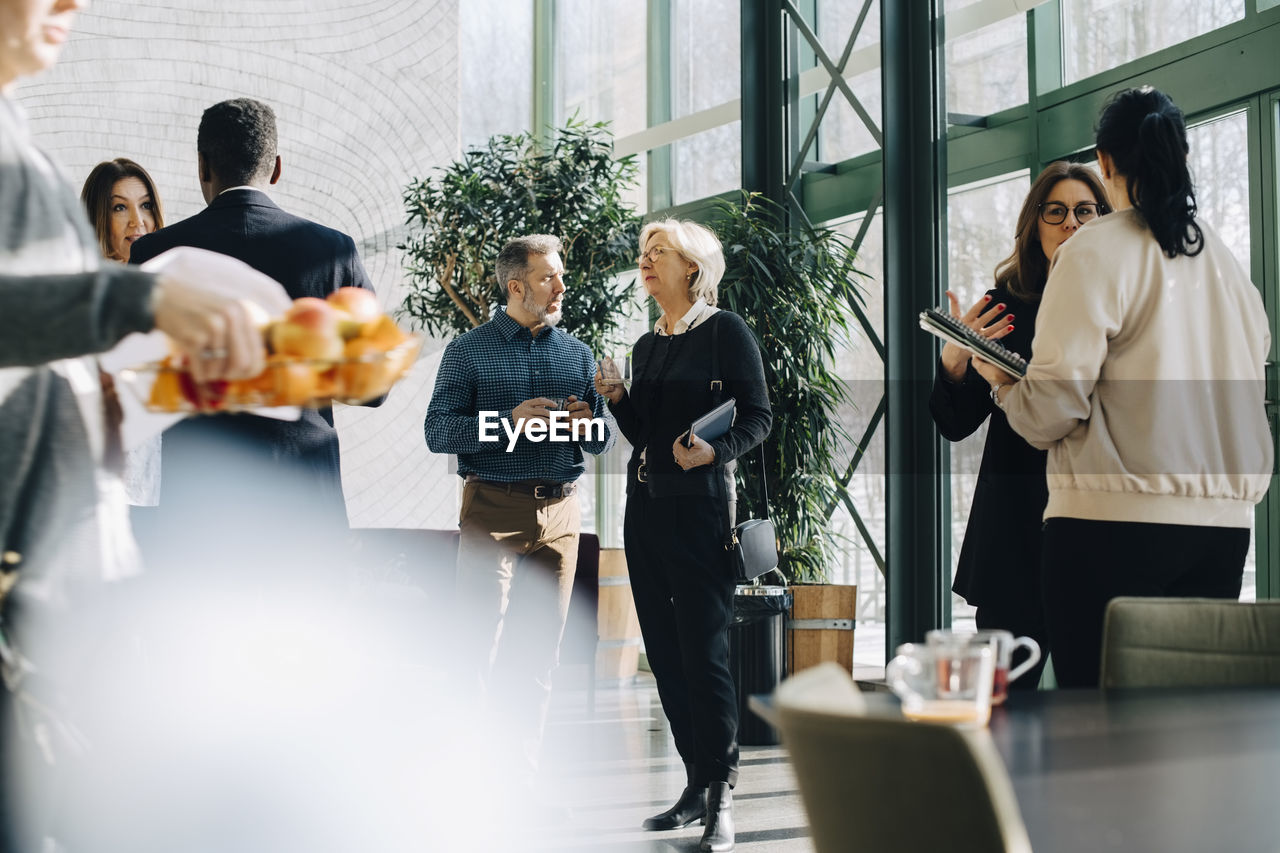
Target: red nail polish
(1010, 316)
(987, 298)
(1011, 327)
(1000, 307)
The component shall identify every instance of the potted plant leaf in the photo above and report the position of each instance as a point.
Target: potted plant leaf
(570, 186)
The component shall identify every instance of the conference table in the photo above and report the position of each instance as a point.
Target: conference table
(1169, 770)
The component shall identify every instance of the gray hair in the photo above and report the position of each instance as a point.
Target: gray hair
(699, 244)
(513, 260)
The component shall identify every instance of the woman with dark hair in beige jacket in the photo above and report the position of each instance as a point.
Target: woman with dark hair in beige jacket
(1147, 390)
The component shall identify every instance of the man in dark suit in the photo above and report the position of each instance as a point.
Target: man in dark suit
(274, 472)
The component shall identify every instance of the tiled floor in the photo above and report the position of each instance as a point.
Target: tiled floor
(618, 765)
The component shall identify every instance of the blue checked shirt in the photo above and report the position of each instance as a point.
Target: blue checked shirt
(496, 367)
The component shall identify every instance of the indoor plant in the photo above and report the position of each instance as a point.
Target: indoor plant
(569, 185)
(793, 286)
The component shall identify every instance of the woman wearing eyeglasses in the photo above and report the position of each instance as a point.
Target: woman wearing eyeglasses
(679, 504)
(1147, 389)
(999, 567)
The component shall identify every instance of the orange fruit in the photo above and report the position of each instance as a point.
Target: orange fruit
(293, 382)
(384, 333)
(364, 372)
(166, 391)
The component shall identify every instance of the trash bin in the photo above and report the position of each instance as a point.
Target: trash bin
(757, 653)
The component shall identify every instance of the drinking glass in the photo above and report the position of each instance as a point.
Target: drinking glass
(1002, 645)
(943, 684)
(615, 369)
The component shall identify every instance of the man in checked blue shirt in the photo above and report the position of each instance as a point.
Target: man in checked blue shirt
(520, 515)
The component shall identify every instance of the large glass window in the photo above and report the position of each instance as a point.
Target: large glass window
(1101, 34)
(495, 64)
(1219, 160)
(600, 62)
(1219, 152)
(705, 72)
(987, 68)
(707, 163)
(705, 54)
(858, 364)
(843, 133)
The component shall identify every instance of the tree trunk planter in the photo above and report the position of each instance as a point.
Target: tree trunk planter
(821, 626)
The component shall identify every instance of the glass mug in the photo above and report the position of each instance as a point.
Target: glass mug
(943, 684)
(615, 369)
(1002, 644)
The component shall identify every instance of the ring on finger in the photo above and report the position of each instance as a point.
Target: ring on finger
(213, 353)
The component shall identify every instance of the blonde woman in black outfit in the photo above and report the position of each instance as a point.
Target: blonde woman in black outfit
(999, 567)
(677, 518)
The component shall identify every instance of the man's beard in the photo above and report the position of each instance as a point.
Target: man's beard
(540, 311)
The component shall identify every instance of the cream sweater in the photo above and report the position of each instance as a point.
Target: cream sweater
(1146, 386)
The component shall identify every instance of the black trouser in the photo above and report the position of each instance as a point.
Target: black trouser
(683, 586)
(1022, 620)
(1088, 563)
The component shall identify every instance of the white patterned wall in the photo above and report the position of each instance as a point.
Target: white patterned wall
(367, 96)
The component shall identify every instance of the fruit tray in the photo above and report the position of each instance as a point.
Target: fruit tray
(167, 386)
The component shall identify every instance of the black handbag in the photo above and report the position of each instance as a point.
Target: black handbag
(752, 544)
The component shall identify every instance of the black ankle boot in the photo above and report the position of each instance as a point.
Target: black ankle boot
(692, 806)
(718, 836)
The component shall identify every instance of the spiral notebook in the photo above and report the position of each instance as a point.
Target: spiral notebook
(952, 330)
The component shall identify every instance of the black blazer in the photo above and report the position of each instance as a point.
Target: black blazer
(999, 564)
(203, 457)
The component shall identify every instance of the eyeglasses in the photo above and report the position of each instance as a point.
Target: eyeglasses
(653, 254)
(1054, 213)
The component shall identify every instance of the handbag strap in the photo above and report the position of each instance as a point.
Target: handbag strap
(717, 397)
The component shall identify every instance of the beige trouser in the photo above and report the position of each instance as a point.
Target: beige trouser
(516, 559)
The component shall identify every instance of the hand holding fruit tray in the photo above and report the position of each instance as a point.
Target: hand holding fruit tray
(340, 349)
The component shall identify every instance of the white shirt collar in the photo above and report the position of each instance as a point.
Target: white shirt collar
(243, 187)
(692, 318)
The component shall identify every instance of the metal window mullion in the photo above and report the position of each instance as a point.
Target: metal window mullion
(661, 179)
(764, 153)
(917, 549)
(1264, 239)
(544, 69)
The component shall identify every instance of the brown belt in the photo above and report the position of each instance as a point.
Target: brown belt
(535, 489)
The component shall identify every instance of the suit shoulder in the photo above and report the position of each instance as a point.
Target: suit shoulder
(318, 231)
(158, 242)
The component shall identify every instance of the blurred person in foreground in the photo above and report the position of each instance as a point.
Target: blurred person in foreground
(496, 404)
(998, 571)
(1147, 388)
(64, 533)
(680, 508)
(123, 204)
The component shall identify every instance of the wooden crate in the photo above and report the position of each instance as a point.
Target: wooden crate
(618, 652)
(820, 627)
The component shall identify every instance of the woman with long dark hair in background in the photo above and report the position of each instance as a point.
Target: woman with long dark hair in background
(998, 571)
(122, 204)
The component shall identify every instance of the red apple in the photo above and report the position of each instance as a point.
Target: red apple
(357, 309)
(309, 329)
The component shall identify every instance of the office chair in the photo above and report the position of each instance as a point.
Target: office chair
(1190, 642)
(878, 783)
